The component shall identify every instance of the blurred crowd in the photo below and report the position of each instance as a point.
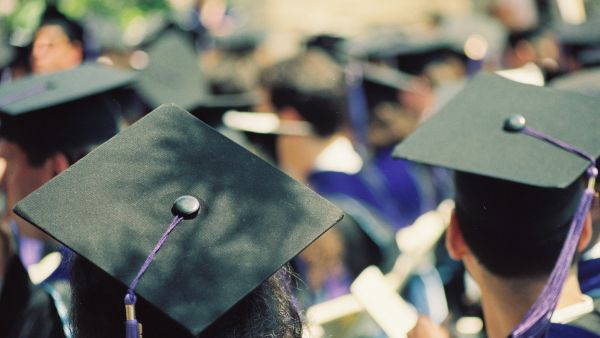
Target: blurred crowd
(329, 115)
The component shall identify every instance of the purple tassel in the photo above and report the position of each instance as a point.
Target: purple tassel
(132, 329)
(132, 326)
(537, 320)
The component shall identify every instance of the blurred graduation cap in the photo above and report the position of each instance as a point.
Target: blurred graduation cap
(410, 55)
(523, 140)
(7, 51)
(382, 83)
(63, 109)
(328, 43)
(582, 42)
(116, 202)
(240, 41)
(170, 72)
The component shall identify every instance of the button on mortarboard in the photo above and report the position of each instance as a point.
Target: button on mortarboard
(515, 123)
(187, 206)
(116, 202)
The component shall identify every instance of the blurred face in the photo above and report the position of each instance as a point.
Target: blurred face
(52, 51)
(21, 178)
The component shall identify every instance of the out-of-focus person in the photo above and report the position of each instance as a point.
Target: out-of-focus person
(43, 132)
(310, 89)
(58, 43)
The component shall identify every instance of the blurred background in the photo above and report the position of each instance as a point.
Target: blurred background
(400, 61)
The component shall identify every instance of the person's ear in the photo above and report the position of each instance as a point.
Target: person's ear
(586, 233)
(455, 242)
(58, 163)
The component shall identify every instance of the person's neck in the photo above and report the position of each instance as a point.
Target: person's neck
(506, 301)
(302, 152)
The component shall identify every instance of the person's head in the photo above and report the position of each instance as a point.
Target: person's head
(43, 134)
(28, 168)
(309, 87)
(523, 187)
(97, 308)
(512, 230)
(57, 45)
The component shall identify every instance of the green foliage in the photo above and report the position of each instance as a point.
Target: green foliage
(27, 12)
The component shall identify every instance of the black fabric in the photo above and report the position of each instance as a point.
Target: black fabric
(27, 312)
(68, 126)
(116, 202)
(468, 133)
(173, 75)
(62, 110)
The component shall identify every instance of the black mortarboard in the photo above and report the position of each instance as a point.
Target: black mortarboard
(329, 43)
(173, 74)
(382, 83)
(116, 202)
(505, 136)
(62, 109)
(409, 55)
(241, 41)
(582, 42)
(470, 129)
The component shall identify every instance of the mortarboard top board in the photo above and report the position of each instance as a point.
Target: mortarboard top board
(470, 128)
(116, 202)
(382, 83)
(581, 41)
(329, 43)
(585, 81)
(66, 108)
(7, 51)
(173, 74)
(240, 41)
(409, 54)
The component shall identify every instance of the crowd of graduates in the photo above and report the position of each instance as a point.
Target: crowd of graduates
(334, 117)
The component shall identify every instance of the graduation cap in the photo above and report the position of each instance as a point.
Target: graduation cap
(411, 55)
(382, 83)
(581, 41)
(171, 73)
(512, 133)
(241, 218)
(63, 109)
(240, 41)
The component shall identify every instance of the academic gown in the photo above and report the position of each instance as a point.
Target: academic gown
(26, 311)
(587, 326)
(413, 188)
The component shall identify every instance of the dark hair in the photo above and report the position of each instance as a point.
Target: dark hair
(72, 29)
(98, 310)
(313, 84)
(514, 230)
